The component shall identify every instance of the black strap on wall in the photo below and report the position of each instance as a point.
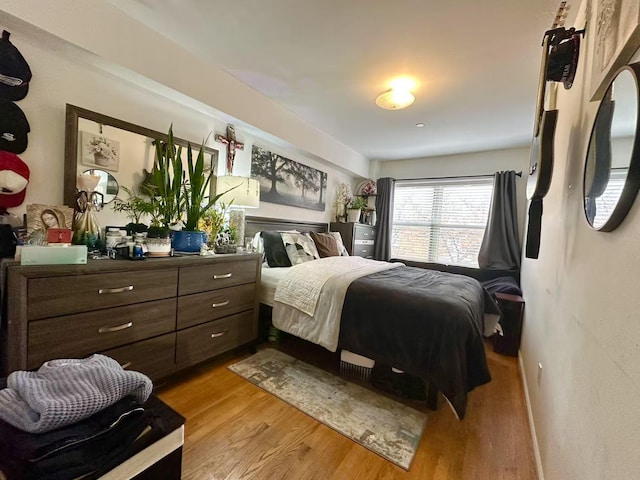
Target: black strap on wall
(534, 229)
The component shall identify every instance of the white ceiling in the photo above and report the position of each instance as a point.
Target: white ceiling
(476, 63)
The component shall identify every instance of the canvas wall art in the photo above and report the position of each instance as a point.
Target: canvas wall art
(617, 37)
(99, 151)
(287, 182)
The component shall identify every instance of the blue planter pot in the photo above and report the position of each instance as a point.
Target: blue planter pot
(187, 241)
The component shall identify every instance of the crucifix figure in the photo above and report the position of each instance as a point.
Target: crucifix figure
(232, 144)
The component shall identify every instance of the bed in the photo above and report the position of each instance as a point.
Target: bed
(427, 323)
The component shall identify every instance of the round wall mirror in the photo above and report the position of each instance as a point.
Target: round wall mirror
(107, 186)
(612, 167)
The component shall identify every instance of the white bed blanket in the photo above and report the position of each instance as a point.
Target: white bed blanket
(308, 300)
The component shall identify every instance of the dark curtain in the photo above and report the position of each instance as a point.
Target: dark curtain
(500, 247)
(384, 214)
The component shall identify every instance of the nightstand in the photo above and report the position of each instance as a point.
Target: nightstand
(512, 307)
(357, 237)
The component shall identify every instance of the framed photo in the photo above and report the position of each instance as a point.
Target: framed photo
(617, 37)
(41, 218)
(287, 182)
(99, 151)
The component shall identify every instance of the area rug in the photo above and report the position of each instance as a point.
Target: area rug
(384, 426)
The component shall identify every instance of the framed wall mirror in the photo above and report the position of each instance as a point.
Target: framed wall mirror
(119, 150)
(612, 166)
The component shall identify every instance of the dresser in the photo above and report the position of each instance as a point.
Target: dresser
(357, 237)
(156, 316)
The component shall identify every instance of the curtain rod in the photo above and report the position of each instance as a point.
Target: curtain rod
(518, 174)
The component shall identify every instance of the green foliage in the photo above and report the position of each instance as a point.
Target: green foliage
(357, 203)
(196, 189)
(212, 220)
(164, 183)
(134, 207)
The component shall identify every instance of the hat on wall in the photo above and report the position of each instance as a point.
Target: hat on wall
(14, 177)
(15, 73)
(563, 61)
(14, 128)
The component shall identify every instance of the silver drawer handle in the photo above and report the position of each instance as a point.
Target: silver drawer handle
(215, 305)
(226, 275)
(115, 329)
(115, 290)
(126, 365)
(219, 334)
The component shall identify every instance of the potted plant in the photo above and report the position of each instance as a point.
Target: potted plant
(212, 221)
(354, 209)
(163, 185)
(134, 207)
(181, 195)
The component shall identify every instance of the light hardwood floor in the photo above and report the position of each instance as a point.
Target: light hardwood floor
(235, 430)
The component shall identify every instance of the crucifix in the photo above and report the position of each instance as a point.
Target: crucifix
(232, 144)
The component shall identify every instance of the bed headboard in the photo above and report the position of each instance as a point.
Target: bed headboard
(260, 224)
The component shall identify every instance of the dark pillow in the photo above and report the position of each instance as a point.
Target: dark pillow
(274, 251)
(326, 244)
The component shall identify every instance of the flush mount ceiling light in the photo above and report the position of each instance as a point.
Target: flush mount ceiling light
(395, 99)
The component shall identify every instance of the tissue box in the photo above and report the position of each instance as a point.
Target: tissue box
(49, 255)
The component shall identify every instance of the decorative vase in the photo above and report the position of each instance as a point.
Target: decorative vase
(188, 241)
(100, 159)
(353, 215)
(86, 229)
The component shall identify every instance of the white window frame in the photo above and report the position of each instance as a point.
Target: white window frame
(435, 228)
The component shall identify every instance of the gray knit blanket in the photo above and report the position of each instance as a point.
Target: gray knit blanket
(62, 392)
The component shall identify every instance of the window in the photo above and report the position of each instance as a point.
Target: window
(441, 220)
(607, 201)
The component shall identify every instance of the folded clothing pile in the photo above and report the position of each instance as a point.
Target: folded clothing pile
(73, 418)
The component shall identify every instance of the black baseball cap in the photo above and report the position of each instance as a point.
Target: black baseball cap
(14, 128)
(15, 73)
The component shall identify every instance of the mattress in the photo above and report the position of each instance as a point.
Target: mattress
(269, 279)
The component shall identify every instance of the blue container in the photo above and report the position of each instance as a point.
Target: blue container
(187, 241)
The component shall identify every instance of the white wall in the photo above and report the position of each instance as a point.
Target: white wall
(581, 316)
(65, 73)
(478, 163)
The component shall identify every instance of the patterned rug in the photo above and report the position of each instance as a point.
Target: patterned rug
(384, 426)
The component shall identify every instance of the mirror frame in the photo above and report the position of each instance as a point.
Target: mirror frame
(73, 113)
(632, 182)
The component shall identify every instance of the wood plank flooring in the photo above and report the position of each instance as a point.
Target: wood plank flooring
(234, 430)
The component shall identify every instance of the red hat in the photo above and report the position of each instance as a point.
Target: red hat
(14, 177)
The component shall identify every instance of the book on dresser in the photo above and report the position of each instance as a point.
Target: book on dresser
(358, 238)
(157, 317)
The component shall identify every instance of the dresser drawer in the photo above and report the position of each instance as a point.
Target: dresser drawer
(53, 296)
(199, 343)
(153, 357)
(203, 307)
(363, 233)
(73, 336)
(203, 278)
(363, 251)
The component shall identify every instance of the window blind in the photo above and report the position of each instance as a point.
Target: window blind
(441, 220)
(606, 202)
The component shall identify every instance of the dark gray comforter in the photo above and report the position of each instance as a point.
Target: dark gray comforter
(425, 322)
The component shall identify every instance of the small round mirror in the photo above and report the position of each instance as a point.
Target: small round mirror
(107, 186)
(612, 167)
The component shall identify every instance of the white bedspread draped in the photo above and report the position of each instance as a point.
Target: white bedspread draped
(308, 300)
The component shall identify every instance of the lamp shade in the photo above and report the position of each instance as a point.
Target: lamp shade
(245, 193)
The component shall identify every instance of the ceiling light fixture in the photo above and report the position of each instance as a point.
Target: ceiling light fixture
(420, 125)
(395, 99)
